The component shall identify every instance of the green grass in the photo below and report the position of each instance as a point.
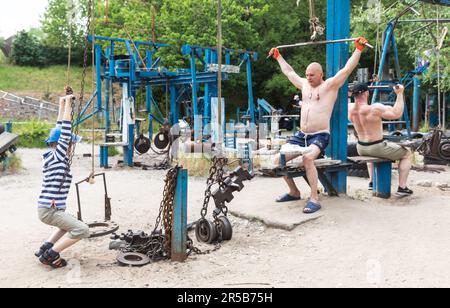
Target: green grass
(46, 80)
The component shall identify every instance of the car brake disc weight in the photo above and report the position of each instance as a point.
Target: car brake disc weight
(132, 259)
(161, 141)
(142, 144)
(205, 231)
(227, 229)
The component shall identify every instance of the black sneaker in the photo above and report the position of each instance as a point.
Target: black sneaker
(370, 186)
(403, 192)
(55, 262)
(42, 249)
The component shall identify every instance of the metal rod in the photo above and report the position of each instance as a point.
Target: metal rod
(445, 20)
(321, 43)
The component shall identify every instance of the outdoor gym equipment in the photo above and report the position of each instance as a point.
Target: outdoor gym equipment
(220, 228)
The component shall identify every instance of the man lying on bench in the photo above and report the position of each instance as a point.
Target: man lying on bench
(367, 120)
(319, 97)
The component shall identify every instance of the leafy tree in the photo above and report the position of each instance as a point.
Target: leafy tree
(27, 50)
(411, 45)
(64, 21)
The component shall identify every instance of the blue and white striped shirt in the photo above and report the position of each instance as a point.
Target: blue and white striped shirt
(55, 164)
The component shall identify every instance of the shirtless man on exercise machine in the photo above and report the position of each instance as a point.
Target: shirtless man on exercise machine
(319, 97)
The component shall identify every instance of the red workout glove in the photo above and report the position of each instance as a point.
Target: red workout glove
(360, 43)
(275, 53)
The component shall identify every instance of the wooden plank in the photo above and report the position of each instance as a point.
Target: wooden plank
(7, 140)
(319, 163)
(367, 159)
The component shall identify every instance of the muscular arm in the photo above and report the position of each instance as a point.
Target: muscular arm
(293, 77)
(388, 112)
(339, 79)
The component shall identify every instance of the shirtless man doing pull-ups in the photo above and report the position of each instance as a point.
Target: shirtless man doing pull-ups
(319, 97)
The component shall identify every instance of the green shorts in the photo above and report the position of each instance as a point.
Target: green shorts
(59, 218)
(383, 149)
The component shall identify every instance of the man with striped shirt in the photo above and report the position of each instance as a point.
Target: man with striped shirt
(55, 189)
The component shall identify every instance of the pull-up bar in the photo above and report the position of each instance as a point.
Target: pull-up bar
(320, 43)
(443, 20)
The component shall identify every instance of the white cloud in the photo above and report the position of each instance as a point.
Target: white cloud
(16, 15)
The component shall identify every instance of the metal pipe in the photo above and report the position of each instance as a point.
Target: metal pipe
(321, 43)
(383, 87)
(445, 20)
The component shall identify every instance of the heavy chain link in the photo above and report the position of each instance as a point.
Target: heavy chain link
(215, 176)
(158, 247)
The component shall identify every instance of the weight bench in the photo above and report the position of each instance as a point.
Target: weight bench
(7, 142)
(325, 168)
(382, 172)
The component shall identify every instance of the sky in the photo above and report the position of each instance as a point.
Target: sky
(16, 15)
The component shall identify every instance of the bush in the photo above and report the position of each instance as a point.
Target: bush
(33, 134)
(26, 50)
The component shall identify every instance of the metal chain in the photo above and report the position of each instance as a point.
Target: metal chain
(69, 91)
(158, 247)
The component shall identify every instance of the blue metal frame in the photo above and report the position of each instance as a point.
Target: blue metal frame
(137, 72)
(408, 80)
(338, 27)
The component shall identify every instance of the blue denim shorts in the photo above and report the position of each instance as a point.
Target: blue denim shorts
(321, 140)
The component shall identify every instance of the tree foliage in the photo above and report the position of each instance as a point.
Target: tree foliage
(255, 25)
(27, 50)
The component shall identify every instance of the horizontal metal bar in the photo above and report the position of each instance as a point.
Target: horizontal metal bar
(444, 20)
(321, 43)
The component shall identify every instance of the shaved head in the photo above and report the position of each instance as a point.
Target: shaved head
(316, 67)
(314, 74)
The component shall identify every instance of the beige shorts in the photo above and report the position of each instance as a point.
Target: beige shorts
(59, 218)
(385, 149)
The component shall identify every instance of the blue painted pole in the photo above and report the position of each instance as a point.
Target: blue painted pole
(197, 132)
(251, 105)
(416, 104)
(388, 33)
(382, 179)
(98, 75)
(338, 27)
(130, 147)
(9, 127)
(179, 229)
(174, 107)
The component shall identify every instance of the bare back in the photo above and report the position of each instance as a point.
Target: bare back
(367, 122)
(317, 107)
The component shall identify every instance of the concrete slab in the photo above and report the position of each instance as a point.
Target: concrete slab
(256, 202)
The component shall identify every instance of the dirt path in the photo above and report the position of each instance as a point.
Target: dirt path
(356, 242)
